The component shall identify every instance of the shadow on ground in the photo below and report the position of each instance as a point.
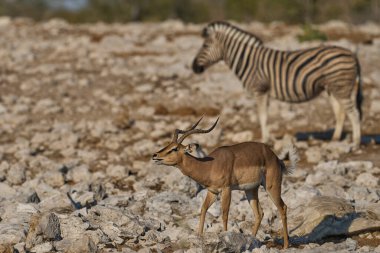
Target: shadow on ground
(327, 135)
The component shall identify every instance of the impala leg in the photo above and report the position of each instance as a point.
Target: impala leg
(262, 107)
(209, 200)
(339, 117)
(226, 201)
(275, 194)
(253, 199)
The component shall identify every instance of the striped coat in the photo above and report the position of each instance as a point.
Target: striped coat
(291, 76)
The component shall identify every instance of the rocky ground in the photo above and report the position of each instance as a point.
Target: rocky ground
(83, 107)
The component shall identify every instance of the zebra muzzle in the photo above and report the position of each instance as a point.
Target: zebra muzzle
(197, 68)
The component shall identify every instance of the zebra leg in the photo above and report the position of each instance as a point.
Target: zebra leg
(353, 115)
(339, 117)
(262, 107)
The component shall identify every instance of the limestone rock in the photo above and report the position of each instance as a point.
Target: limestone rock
(71, 245)
(54, 178)
(33, 198)
(16, 174)
(79, 174)
(7, 191)
(116, 171)
(11, 233)
(368, 180)
(42, 248)
(225, 242)
(328, 216)
(43, 226)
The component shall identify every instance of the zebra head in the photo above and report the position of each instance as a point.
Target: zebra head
(212, 49)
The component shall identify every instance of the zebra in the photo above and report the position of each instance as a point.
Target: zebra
(291, 76)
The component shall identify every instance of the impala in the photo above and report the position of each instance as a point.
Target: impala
(244, 166)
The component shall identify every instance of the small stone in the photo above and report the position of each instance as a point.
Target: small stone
(7, 192)
(313, 155)
(241, 137)
(79, 174)
(4, 166)
(16, 174)
(375, 106)
(42, 248)
(33, 198)
(52, 229)
(116, 171)
(19, 247)
(368, 180)
(54, 178)
(98, 190)
(26, 208)
(73, 245)
(11, 233)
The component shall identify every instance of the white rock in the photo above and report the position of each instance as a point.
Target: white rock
(144, 147)
(7, 192)
(20, 247)
(375, 107)
(4, 166)
(54, 178)
(317, 178)
(56, 202)
(368, 180)
(26, 208)
(79, 174)
(3, 109)
(46, 106)
(72, 227)
(375, 76)
(313, 154)
(83, 244)
(240, 137)
(16, 174)
(42, 248)
(11, 233)
(116, 171)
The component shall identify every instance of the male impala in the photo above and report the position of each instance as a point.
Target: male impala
(243, 166)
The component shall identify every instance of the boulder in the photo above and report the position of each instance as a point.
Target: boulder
(328, 216)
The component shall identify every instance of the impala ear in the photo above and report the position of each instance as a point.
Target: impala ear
(191, 147)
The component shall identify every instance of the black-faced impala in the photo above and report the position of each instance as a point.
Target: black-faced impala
(244, 166)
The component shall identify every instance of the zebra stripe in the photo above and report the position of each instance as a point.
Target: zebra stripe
(292, 76)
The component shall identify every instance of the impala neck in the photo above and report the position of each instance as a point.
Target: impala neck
(197, 169)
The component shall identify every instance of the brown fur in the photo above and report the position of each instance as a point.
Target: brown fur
(243, 166)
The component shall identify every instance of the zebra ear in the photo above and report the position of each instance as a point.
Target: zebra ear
(205, 32)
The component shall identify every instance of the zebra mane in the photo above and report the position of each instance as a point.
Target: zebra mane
(223, 25)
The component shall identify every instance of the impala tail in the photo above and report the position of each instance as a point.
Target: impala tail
(289, 153)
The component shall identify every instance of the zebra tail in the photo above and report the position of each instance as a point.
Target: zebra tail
(290, 153)
(359, 94)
